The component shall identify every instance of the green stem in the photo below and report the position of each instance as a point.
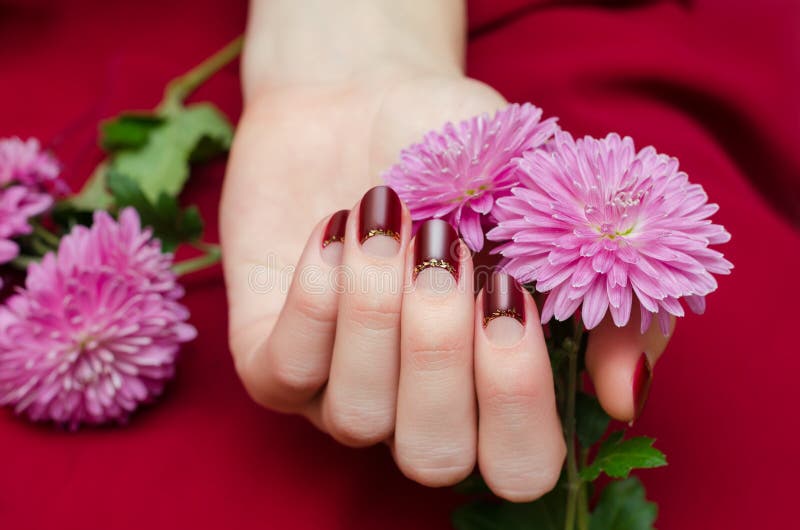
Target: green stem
(211, 257)
(583, 497)
(47, 237)
(573, 479)
(93, 195)
(179, 88)
(22, 262)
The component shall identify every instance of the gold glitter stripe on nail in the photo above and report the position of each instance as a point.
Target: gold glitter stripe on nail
(439, 263)
(332, 239)
(381, 232)
(502, 313)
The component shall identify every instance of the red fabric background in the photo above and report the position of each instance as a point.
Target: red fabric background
(713, 82)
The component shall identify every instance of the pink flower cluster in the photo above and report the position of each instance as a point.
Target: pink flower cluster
(27, 164)
(97, 328)
(458, 173)
(29, 178)
(593, 222)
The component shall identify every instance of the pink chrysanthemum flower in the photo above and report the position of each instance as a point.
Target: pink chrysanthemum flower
(25, 163)
(595, 222)
(17, 205)
(458, 173)
(97, 328)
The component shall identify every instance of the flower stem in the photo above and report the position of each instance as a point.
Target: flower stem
(573, 479)
(47, 237)
(583, 497)
(211, 257)
(22, 262)
(94, 195)
(179, 88)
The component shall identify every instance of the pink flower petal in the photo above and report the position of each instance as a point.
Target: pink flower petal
(471, 231)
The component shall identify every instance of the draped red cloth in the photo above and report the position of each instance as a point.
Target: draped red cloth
(713, 82)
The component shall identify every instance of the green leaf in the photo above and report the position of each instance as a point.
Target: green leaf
(161, 165)
(617, 457)
(129, 130)
(591, 419)
(546, 513)
(93, 195)
(623, 506)
(169, 223)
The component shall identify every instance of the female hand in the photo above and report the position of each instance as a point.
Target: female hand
(368, 342)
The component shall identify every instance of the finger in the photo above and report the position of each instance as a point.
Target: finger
(620, 362)
(293, 363)
(359, 401)
(435, 438)
(520, 442)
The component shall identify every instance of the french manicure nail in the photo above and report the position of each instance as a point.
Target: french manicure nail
(333, 238)
(381, 215)
(503, 310)
(642, 378)
(436, 247)
(335, 230)
(503, 297)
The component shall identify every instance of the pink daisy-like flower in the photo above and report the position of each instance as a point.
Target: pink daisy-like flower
(97, 328)
(17, 205)
(595, 222)
(458, 173)
(25, 163)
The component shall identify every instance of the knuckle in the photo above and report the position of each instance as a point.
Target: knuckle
(510, 397)
(358, 425)
(428, 355)
(290, 377)
(374, 313)
(276, 385)
(255, 388)
(317, 313)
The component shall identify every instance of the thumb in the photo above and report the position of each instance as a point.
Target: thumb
(620, 362)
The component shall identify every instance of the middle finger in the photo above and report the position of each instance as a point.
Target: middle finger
(435, 437)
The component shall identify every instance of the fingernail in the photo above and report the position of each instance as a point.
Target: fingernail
(436, 262)
(333, 238)
(380, 219)
(642, 378)
(503, 310)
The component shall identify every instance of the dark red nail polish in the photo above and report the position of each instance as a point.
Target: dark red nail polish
(642, 378)
(380, 214)
(436, 245)
(335, 229)
(503, 296)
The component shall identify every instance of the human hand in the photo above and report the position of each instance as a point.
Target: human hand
(389, 357)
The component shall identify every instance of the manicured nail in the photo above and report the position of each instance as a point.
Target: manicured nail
(642, 378)
(381, 215)
(503, 297)
(333, 238)
(335, 229)
(436, 256)
(503, 310)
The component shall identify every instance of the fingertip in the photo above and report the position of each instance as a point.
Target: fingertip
(332, 244)
(620, 361)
